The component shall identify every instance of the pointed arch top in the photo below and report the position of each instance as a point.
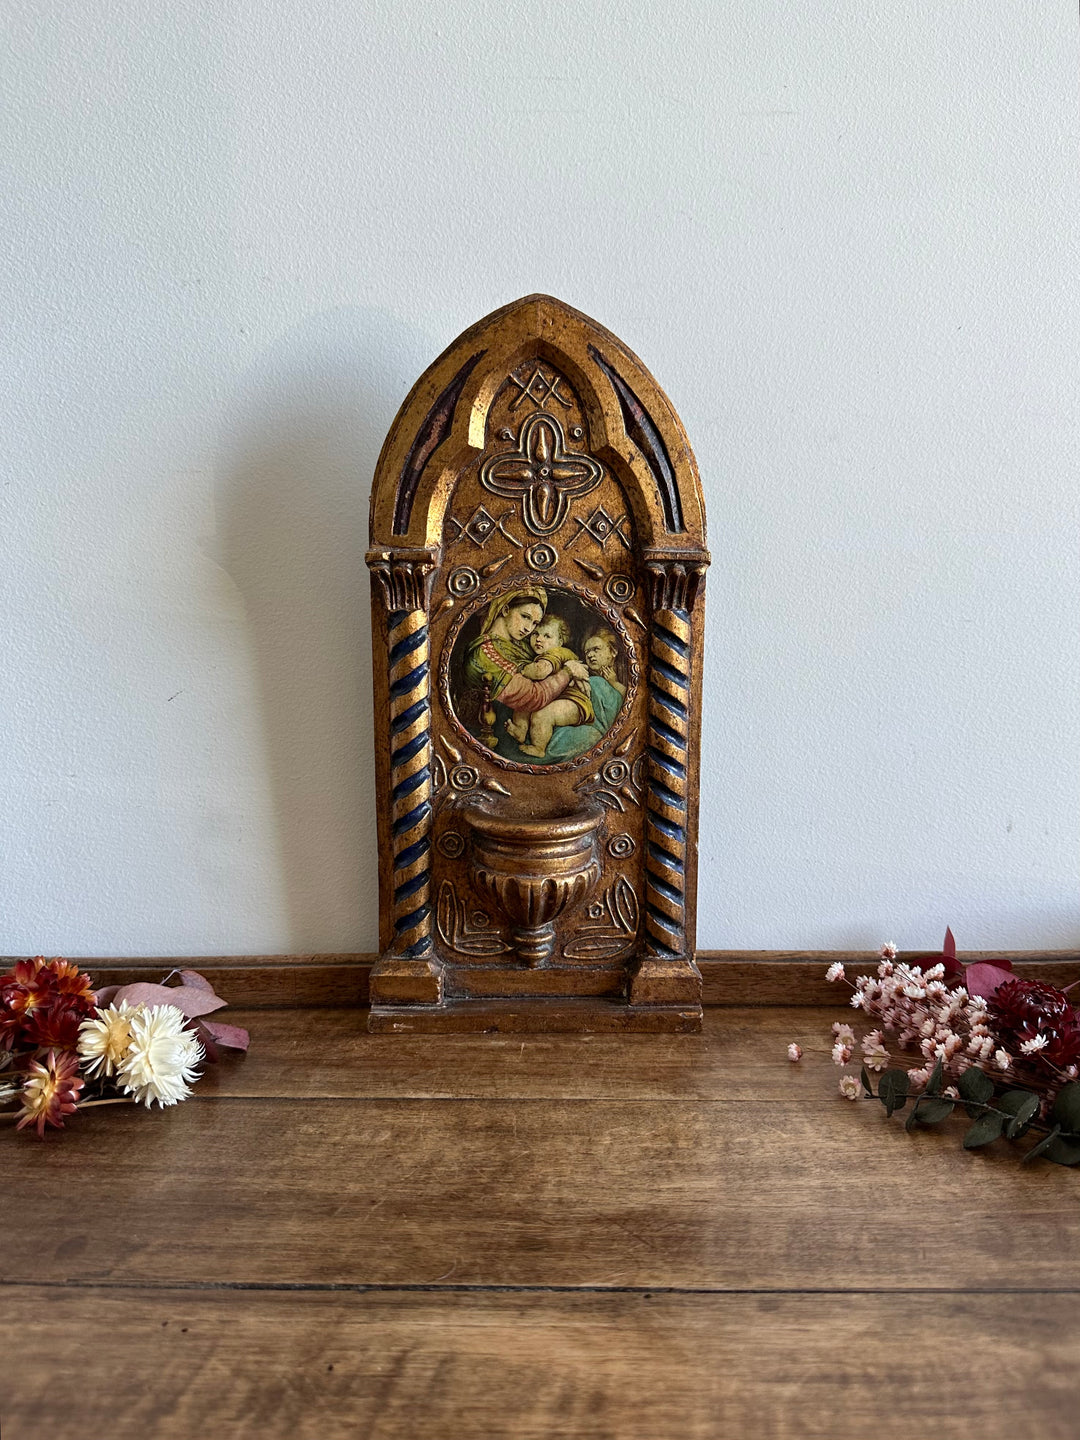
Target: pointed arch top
(631, 426)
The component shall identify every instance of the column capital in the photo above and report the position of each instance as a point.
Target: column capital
(405, 576)
(675, 577)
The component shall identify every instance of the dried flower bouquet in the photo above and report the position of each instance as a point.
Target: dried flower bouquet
(1006, 1049)
(65, 1047)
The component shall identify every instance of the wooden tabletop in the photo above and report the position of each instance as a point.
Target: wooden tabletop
(473, 1236)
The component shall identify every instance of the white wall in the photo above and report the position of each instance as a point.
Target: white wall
(843, 236)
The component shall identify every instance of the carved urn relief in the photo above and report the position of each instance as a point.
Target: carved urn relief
(532, 866)
(538, 560)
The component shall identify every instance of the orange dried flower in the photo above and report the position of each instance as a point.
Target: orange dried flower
(72, 982)
(42, 1002)
(50, 1091)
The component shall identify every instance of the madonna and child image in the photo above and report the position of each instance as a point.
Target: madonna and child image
(538, 676)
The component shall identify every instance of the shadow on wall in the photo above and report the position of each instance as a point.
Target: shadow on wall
(296, 460)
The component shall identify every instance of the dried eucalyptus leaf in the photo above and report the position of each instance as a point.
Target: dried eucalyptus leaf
(865, 1078)
(987, 1128)
(1066, 1111)
(1022, 1106)
(893, 1090)
(1043, 1145)
(934, 1109)
(975, 1086)
(1062, 1151)
(933, 1085)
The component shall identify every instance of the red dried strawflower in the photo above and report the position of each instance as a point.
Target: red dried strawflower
(54, 1026)
(50, 1092)
(1022, 1009)
(22, 990)
(42, 1003)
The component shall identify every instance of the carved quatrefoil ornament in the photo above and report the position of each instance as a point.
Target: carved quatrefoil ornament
(542, 474)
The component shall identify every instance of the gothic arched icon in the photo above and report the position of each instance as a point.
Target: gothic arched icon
(555, 634)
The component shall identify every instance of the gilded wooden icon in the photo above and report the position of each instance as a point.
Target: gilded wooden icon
(538, 564)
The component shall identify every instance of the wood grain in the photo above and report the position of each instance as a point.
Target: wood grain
(732, 977)
(464, 1366)
(762, 1195)
(552, 1235)
(741, 1056)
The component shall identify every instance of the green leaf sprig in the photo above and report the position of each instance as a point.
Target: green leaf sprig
(1008, 1115)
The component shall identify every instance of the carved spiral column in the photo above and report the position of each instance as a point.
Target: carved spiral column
(405, 579)
(668, 972)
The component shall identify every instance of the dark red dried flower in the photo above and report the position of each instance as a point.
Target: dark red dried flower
(42, 1002)
(1022, 1009)
(54, 1026)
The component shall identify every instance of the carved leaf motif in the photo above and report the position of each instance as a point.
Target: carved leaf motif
(590, 569)
(455, 931)
(617, 931)
(616, 781)
(438, 772)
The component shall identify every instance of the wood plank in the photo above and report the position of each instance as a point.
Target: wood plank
(328, 1054)
(730, 977)
(744, 1195)
(393, 1366)
(523, 1016)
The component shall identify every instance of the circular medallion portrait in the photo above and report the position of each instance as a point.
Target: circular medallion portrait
(536, 674)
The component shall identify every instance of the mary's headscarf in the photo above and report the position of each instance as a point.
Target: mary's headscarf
(537, 594)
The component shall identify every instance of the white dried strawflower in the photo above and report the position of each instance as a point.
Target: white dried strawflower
(835, 971)
(104, 1039)
(161, 1059)
(876, 1057)
(1032, 1046)
(849, 1087)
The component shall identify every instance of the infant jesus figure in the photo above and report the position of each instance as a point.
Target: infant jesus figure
(550, 644)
